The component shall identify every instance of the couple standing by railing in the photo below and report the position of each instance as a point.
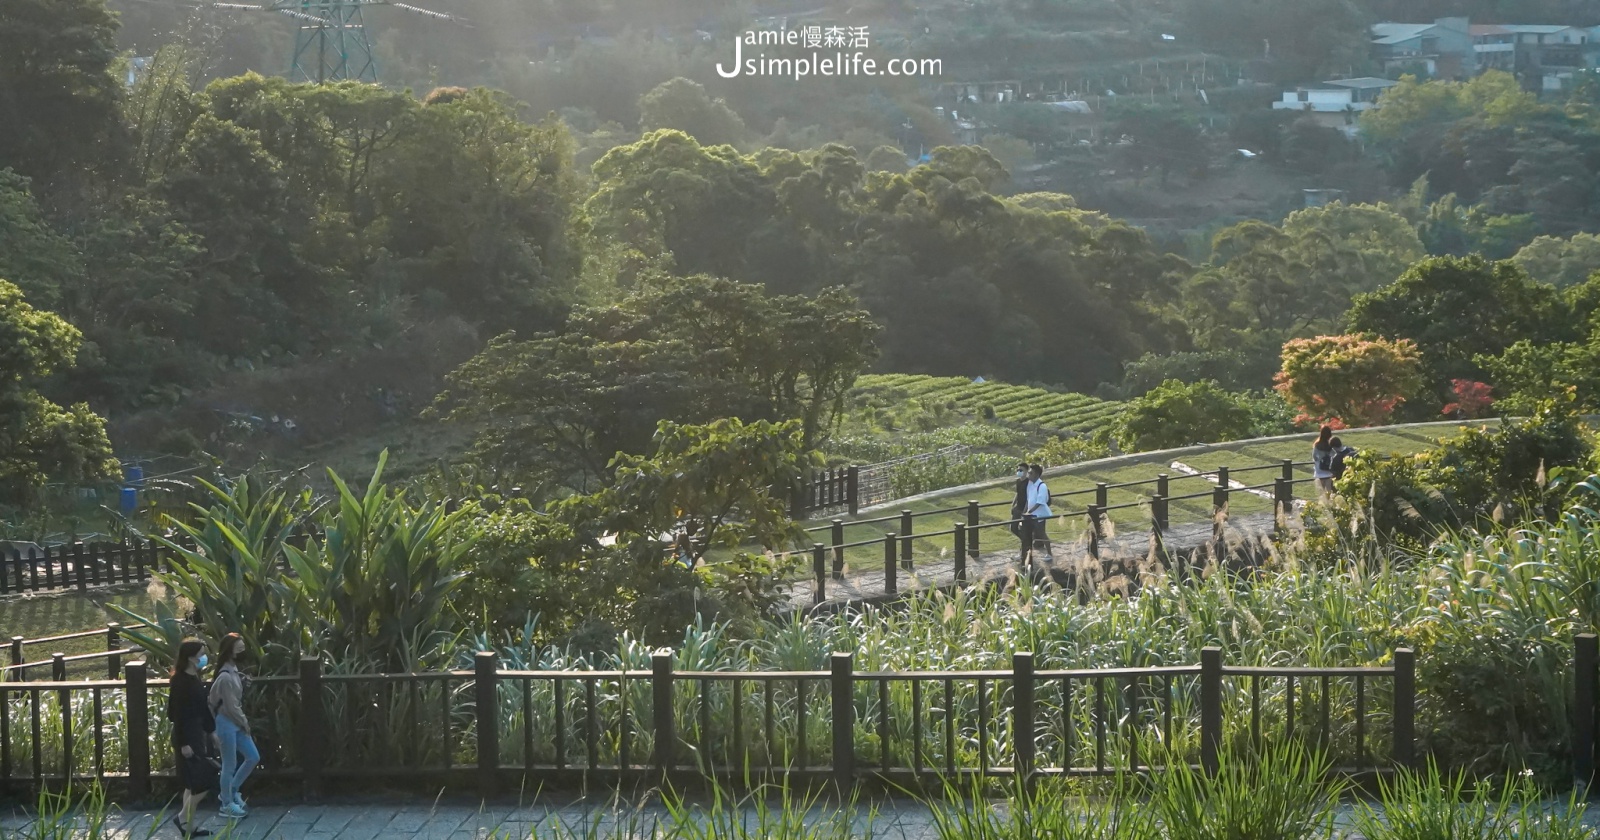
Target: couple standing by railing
(1032, 499)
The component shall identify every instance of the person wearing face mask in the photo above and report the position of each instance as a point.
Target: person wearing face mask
(239, 753)
(189, 710)
(1019, 506)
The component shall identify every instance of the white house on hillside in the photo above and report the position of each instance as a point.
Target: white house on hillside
(1338, 103)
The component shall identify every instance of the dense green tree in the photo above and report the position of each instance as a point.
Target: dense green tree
(685, 106)
(1179, 414)
(39, 440)
(475, 207)
(58, 96)
(964, 280)
(42, 261)
(1457, 309)
(563, 405)
(1560, 262)
(1265, 285)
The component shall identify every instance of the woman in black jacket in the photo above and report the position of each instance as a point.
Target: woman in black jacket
(189, 709)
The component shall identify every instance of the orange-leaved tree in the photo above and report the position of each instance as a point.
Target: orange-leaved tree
(1356, 380)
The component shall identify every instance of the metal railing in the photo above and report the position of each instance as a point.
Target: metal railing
(499, 729)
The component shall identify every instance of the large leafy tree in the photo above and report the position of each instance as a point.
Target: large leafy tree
(684, 105)
(562, 405)
(39, 440)
(1354, 380)
(58, 97)
(1265, 285)
(964, 280)
(1456, 309)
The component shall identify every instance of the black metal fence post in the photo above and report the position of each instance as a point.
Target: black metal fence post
(1288, 470)
(853, 488)
(1405, 707)
(1102, 494)
(1022, 710)
(842, 687)
(58, 673)
(486, 709)
(310, 726)
(890, 584)
(1159, 512)
(138, 708)
(1282, 497)
(961, 532)
(1210, 708)
(972, 529)
(1585, 661)
(819, 563)
(1219, 495)
(906, 527)
(666, 732)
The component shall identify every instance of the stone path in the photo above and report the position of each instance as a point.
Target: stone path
(424, 820)
(900, 819)
(1118, 554)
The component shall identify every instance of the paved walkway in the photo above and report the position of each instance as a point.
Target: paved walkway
(421, 820)
(1120, 554)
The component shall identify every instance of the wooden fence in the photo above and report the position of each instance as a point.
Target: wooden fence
(23, 662)
(499, 730)
(858, 486)
(967, 536)
(79, 566)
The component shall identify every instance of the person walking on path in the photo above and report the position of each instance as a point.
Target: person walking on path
(1322, 461)
(189, 710)
(239, 753)
(1039, 506)
(1019, 506)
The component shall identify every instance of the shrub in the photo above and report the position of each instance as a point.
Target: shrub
(1180, 414)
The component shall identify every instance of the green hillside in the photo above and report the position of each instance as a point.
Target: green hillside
(1049, 411)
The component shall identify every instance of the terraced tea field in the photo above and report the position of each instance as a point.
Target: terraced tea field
(1060, 413)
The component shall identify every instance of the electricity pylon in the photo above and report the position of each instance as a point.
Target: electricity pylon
(332, 43)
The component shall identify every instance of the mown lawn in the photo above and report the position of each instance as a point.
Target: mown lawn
(39, 616)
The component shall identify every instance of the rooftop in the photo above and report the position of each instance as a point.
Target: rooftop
(1395, 33)
(1362, 83)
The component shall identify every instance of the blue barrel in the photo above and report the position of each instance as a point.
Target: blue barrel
(133, 475)
(128, 501)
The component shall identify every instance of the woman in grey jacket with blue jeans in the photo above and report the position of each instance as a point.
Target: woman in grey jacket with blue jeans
(239, 753)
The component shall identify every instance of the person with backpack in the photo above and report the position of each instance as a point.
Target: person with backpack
(1019, 506)
(1322, 461)
(189, 710)
(1340, 454)
(1039, 506)
(239, 753)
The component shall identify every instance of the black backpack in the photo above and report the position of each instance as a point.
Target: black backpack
(1338, 465)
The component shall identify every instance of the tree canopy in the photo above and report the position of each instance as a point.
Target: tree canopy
(39, 440)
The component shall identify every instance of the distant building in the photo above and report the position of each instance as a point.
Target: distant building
(1444, 48)
(1543, 56)
(1338, 102)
